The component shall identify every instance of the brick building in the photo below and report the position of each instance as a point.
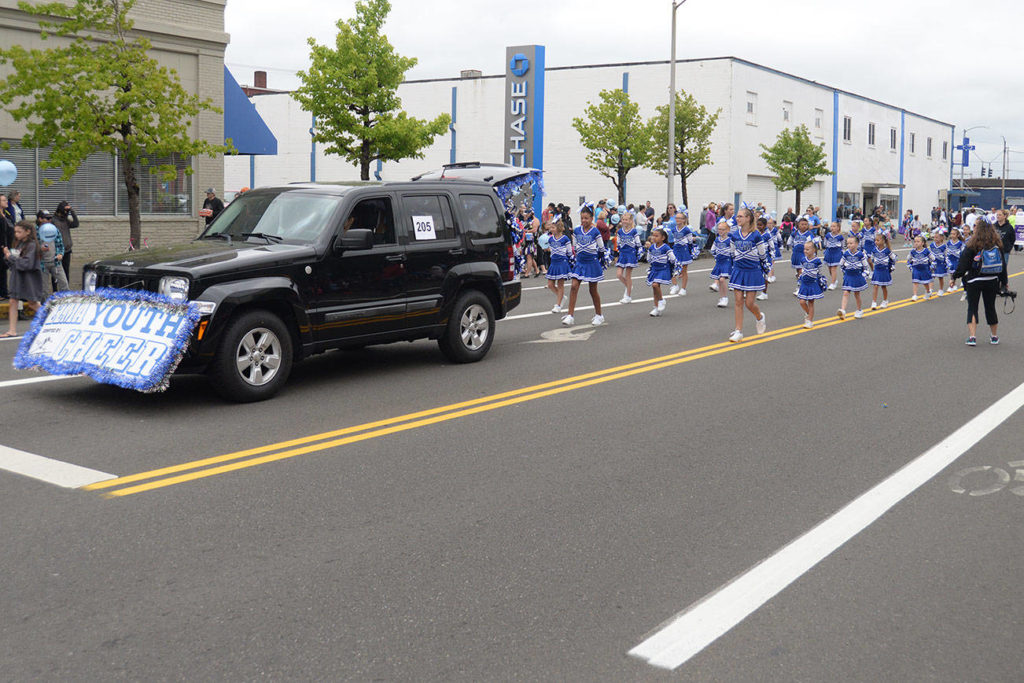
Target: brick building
(187, 36)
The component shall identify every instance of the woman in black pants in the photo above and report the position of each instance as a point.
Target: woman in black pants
(978, 285)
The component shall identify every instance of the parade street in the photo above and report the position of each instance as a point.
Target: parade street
(637, 501)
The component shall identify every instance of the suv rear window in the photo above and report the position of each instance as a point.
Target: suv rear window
(482, 221)
(435, 206)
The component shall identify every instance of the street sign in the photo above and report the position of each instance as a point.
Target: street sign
(966, 147)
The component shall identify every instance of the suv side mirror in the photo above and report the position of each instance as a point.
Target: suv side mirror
(354, 239)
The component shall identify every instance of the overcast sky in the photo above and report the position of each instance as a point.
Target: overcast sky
(959, 62)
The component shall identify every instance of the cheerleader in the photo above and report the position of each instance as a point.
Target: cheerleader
(954, 247)
(939, 266)
(857, 230)
(531, 227)
(589, 249)
(810, 282)
(558, 270)
(629, 244)
(868, 240)
(762, 227)
(776, 245)
(662, 260)
(721, 249)
(682, 247)
(852, 264)
(801, 235)
(746, 278)
(881, 276)
(834, 241)
(919, 261)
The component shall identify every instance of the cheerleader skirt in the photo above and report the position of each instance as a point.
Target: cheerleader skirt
(746, 279)
(684, 256)
(809, 290)
(952, 263)
(881, 276)
(587, 271)
(796, 259)
(832, 256)
(869, 247)
(660, 273)
(939, 269)
(721, 270)
(558, 270)
(854, 282)
(778, 250)
(922, 275)
(627, 258)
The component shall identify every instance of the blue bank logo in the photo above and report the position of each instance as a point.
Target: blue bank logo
(519, 64)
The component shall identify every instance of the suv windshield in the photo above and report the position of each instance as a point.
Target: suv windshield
(285, 216)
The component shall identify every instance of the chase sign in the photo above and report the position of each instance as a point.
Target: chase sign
(524, 106)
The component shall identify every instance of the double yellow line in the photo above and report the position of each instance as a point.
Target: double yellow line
(208, 467)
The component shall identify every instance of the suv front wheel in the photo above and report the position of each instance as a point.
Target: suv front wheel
(254, 358)
(470, 329)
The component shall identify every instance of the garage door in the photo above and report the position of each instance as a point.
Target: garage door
(761, 189)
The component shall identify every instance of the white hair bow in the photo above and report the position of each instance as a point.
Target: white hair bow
(991, 219)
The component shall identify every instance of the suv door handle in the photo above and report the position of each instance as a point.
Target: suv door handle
(395, 258)
(459, 251)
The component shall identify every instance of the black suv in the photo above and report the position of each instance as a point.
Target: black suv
(287, 272)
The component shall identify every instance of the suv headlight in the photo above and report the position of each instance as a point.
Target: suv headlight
(89, 281)
(174, 287)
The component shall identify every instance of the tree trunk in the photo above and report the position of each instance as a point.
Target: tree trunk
(364, 161)
(131, 184)
(799, 212)
(622, 185)
(682, 185)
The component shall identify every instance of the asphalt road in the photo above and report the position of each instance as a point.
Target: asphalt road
(534, 526)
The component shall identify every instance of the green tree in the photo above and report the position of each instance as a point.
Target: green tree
(694, 126)
(101, 92)
(617, 138)
(795, 161)
(351, 90)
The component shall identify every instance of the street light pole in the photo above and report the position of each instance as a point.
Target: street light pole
(963, 189)
(672, 108)
(1002, 201)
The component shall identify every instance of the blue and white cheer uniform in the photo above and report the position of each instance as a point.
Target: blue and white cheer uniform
(853, 266)
(662, 260)
(629, 243)
(885, 261)
(749, 261)
(938, 252)
(561, 250)
(920, 263)
(588, 264)
(797, 240)
(721, 249)
(682, 245)
(833, 249)
(810, 280)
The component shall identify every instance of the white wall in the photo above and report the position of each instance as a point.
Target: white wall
(719, 83)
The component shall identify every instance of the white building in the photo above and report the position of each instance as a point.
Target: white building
(879, 153)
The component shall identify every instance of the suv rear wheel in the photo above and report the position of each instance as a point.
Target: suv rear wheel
(470, 330)
(254, 358)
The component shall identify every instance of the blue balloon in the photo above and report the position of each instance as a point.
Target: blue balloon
(8, 172)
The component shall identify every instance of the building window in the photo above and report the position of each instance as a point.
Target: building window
(847, 129)
(846, 203)
(819, 121)
(892, 139)
(787, 111)
(891, 204)
(751, 108)
(97, 189)
(928, 148)
(913, 140)
(945, 149)
(871, 135)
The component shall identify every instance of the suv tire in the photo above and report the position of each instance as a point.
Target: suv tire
(254, 358)
(470, 331)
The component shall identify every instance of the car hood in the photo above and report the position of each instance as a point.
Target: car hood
(206, 256)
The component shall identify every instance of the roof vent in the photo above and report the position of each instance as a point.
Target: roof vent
(471, 73)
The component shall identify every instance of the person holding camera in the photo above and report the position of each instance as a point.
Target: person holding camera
(1007, 234)
(982, 269)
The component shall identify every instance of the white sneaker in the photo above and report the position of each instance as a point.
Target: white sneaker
(885, 303)
(808, 323)
(762, 324)
(771, 279)
(736, 336)
(963, 297)
(858, 314)
(713, 287)
(932, 295)
(723, 302)
(556, 309)
(942, 292)
(796, 292)
(762, 296)
(874, 305)
(831, 286)
(568, 320)
(626, 299)
(597, 320)
(841, 314)
(681, 292)
(661, 305)
(674, 289)
(655, 312)
(914, 298)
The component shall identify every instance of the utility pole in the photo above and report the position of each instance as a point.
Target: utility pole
(672, 109)
(1002, 202)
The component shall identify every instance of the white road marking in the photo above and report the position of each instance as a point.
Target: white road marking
(49, 470)
(565, 334)
(18, 338)
(33, 380)
(705, 621)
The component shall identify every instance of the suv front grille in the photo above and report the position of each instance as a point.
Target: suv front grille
(124, 281)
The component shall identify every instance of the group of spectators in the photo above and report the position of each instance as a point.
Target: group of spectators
(34, 252)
